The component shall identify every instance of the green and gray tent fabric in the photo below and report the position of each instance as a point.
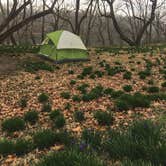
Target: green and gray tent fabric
(63, 46)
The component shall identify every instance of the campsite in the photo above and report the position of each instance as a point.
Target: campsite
(66, 102)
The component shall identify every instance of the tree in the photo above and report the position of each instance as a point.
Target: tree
(16, 10)
(138, 15)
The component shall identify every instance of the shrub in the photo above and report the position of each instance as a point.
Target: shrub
(92, 138)
(72, 82)
(65, 95)
(153, 89)
(114, 70)
(43, 97)
(23, 102)
(87, 70)
(163, 84)
(44, 139)
(127, 101)
(127, 88)
(142, 141)
(70, 72)
(22, 146)
(108, 91)
(31, 116)
(46, 107)
(70, 157)
(79, 116)
(67, 106)
(98, 73)
(76, 98)
(104, 118)
(144, 74)
(13, 124)
(32, 67)
(6, 147)
(127, 75)
(59, 122)
(83, 88)
(116, 94)
(54, 114)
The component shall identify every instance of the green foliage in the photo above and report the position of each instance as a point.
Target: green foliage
(92, 138)
(79, 116)
(43, 97)
(87, 71)
(127, 101)
(127, 88)
(31, 116)
(65, 95)
(60, 121)
(83, 88)
(163, 84)
(144, 74)
(44, 139)
(31, 66)
(6, 147)
(46, 107)
(23, 102)
(136, 163)
(99, 73)
(76, 98)
(142, 141)
(108, 91)
(70, 157)
(72, 82)
(153, 89)
(104, 118)
(116, 94)
(70, 72)
(54, 114)
(127, 75)
(114, 70)
(22, 146)
(13, 124)
(95, 93)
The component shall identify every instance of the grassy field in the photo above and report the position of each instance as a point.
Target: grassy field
(108, 111)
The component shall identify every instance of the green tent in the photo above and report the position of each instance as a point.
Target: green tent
(63, 46)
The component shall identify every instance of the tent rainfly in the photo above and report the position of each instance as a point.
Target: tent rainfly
(63, 46)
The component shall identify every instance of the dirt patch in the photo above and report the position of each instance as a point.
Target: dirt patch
(8, 64)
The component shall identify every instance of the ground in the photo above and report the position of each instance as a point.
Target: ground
(16, 83)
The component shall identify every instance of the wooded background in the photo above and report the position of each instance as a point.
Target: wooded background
(98, 22)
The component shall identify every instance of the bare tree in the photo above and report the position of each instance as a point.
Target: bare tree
(138, 15)
(15, 11)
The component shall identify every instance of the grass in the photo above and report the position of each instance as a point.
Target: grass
(31, 116)
(70, 157)
(13, 124)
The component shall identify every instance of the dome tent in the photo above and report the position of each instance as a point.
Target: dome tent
(63, 46)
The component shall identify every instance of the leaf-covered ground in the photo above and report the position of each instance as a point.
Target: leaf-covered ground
(21, 83)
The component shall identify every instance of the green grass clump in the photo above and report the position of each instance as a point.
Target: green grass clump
(22, 146)
(32, 67)
(127, 88)
(65, 95)
(144, 74)
(108, 91)
(87, 71)
(153, 89)
(83, 88)
(44, 139)
(6, 147)
(43, 97)
(126, 102)
(13, 124)
(60, 121)
(95, 93)
(54, 114)
(72, 82)
(76, 98)
(79, 116)
(23, 102)
(163, 84)
(31, 116)
(70, 157)
(143, 140)
(127, 75)
(104, 118)
(92, 138)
